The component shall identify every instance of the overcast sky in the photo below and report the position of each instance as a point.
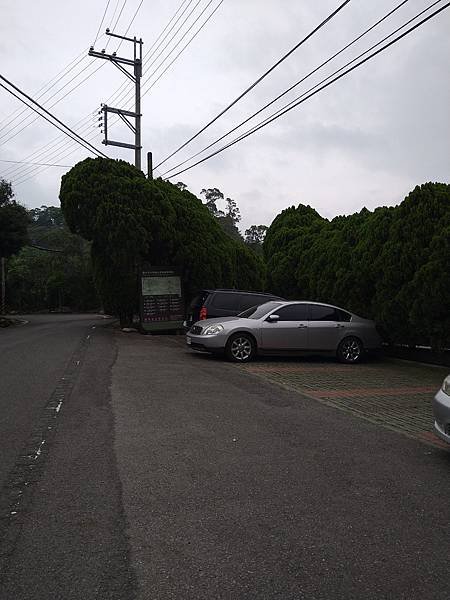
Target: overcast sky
(365, 141)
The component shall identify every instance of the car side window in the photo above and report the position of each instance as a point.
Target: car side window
(323, 313)
(249, 300)
(293, 312)
(226, 301)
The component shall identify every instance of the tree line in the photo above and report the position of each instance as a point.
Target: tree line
(392, 264)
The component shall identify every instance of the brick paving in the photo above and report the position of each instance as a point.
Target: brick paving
(391, 393)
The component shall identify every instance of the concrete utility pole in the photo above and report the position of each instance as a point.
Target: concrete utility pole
(136, 63)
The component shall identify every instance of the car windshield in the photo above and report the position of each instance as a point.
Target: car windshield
(256, 312)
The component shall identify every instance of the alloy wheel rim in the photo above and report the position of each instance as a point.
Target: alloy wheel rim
(351, 350)
(241, 348)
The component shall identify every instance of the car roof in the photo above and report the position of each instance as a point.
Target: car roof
(286, 302)
(232, 291)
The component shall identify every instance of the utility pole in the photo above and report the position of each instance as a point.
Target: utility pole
(3, 304)
(135, 77)
(149, 165)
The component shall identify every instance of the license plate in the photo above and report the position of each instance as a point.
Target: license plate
(188, 341)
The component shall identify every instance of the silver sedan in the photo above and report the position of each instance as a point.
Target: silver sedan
(441, 409)
(286, 328)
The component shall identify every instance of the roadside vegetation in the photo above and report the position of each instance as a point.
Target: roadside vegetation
(392, 264)
(131, 221)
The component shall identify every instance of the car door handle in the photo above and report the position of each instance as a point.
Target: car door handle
(340, 326)
(302, 326)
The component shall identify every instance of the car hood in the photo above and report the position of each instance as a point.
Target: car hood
(205, 322)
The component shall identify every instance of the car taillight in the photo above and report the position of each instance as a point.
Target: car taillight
(203, 313)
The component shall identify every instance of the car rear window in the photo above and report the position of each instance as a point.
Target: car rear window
(256, 312)
(344, 315)
(249, 300)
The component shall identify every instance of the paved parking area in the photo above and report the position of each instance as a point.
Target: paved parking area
(392, 393)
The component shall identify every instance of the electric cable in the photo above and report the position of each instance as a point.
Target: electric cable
(19, 112)
(255, 83)
(55, 103)
(126, 93)
(292, 86)
(101, 22)
(54, 144)
(77, 137)
(33, 163)
(297, 103)
(182, 38)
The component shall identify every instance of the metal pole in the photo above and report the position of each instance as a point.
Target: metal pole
(3, 307)
(149, 165)
(137, 110)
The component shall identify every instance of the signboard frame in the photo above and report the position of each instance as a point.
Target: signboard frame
(161, 306)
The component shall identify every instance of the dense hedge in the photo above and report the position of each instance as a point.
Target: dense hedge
(131, 220)
(392, 264)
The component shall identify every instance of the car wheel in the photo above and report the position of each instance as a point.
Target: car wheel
(350, 350)
(240, 348)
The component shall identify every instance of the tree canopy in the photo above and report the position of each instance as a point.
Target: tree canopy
(13, 222)
(391, 264)
(131, 221)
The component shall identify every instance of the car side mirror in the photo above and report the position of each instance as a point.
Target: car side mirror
(273, 318)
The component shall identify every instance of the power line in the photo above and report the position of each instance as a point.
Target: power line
(131, 23)
(82, 55)
(21, 162)
(126, 93)
(255, 83)
(180, 40)
(55, 103)
(120, 14)
(292, 87)
(24, 110)
(54, 146)
(76, 138)
(289, 108)
(101, 22)
(55, 143)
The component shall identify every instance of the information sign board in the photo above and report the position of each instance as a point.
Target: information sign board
(162, 306)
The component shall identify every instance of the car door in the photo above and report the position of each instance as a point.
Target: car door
(290, 332)
(324, 327)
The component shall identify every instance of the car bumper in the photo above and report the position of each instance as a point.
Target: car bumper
(441, 410)
(206, 343)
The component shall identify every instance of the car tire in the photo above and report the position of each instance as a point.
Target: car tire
(240, 348)
(350, 350)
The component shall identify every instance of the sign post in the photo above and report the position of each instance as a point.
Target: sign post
(162, 307)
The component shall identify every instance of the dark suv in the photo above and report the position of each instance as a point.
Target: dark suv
(223, 303)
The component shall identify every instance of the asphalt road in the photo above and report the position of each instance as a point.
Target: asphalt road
(177, 476)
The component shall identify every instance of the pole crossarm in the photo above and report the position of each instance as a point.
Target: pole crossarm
(122, 37)
(121, 144)
(112, 57)
(120, 111)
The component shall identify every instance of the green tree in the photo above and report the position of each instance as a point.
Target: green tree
(391, 264)
(131, 221)
(108, 202)
(13, 222)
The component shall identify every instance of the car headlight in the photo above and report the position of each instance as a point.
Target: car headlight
(213, 329)
(446, 386)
